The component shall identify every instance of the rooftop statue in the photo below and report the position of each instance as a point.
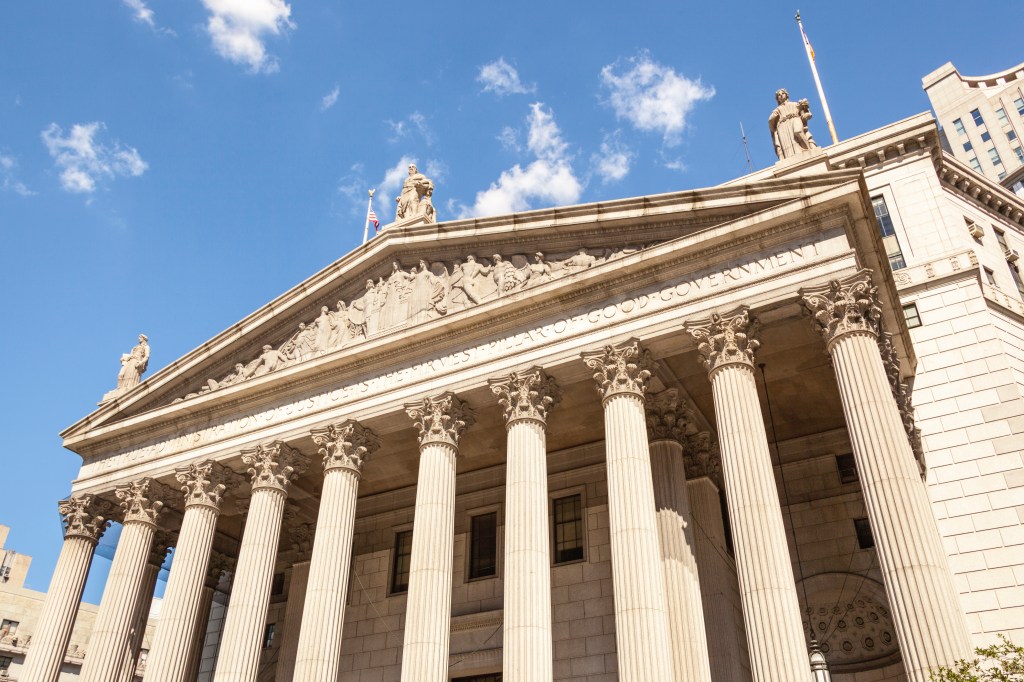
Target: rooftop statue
(416, 198)
(133, 364)
(788, 124)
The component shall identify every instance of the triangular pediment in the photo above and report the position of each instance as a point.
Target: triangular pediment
(431, 276)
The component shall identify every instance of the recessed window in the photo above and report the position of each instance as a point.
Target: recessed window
(911, 315)
(888, 230)
(1001, 115)
(1020, 154)
(5, 662)
(8, 628)
(968, 146)
(1015, 274)
(1011, 135)
(847, 469)
(1019, 103)
(985, 137)
(400, 561)
(976, 115)
(277, 586)
(268, 635)
(1001, 240)
(568, 530)
(483, 546)
(865, 540)
(990, 276)
(959, 125)
(975, 164)
(993, 155)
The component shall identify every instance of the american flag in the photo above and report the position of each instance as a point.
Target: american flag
(372, 217)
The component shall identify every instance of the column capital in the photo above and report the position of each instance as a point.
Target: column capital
(85, 516)
(528, 395)
(345, 445)
(620, 368)
(299, 532)
(702, 458)
(143, 500)
(204, 483)
(162, 543)
(273, 465)
(726, 339)
(668, 418)
(218, 566)
(846, 306)
(441, 419)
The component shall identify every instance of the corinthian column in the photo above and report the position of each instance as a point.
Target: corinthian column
(204, 484)
(272, 467)
(441, 421)
(85, 519)
(527, 398)
(110, 646)
(929, 623)
(771, 611)
(638, 582)
(344, 448)
(218, 564)
(666, 423)
(162, 543)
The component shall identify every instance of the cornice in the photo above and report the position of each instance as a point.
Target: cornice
(978, 189)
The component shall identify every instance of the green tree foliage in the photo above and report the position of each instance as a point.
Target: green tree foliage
(1002, 662)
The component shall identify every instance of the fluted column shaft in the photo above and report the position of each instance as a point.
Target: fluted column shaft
(272, 467)
(57, 618)
(690, 659)
(199, 637)
(771, 610)
(110, 646)
(140, 620)
(441, 421)
(293, 615)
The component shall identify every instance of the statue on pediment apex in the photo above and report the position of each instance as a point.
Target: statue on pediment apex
(788, 124)
(416, 198)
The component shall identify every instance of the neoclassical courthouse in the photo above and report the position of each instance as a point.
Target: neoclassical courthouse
(661, 438)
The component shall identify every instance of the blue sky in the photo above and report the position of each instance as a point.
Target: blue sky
(168, 167)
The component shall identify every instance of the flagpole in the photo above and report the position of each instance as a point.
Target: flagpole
(369, 207)
(817, 80)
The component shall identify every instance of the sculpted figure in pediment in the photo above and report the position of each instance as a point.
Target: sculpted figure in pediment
(395, 307)
(269, 361)
(325, 326)
(540, 270)
(364, 311)
(507, 277)
(580, 262)
(429, 291)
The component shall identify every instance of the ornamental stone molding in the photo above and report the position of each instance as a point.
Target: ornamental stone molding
(668, 418)
(204, 483)
(620, 368)
(529, 395)
(345, 445)
(846, 306)
(163, 541)
(143, 500)
(218, 566)
(702, 458)
(441, 419)
(726, 339)
(273, 465)
(298, 532)
(85, 516)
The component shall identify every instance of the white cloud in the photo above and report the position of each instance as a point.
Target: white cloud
(547, 180)
(415, 122)
(330, 99)
(612, 163)
(652, 96)
(239, 27)
(143, 14)
(509, 139)
(501, 78)
(8, 177)
(83, 160)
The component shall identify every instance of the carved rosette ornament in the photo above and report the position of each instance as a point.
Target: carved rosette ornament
(528, 395)
(204, 483)
(726, 339)
(667, 418)
(703, 458)
(143, 500)
(620, 368)
(441, 419)
(85, 516)
(346, 445)
(273, 465)
(846, 306)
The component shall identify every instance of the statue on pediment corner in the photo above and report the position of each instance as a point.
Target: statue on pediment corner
(788, 125)
(416, 198)
(133, 364)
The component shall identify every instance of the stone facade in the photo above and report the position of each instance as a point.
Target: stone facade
(540, 453)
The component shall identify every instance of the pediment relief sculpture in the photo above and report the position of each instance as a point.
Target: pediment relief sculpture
(409, 296)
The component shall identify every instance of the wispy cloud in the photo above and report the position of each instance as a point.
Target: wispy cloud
(414, 123)
(549, 179)
(9, 177)
(83, 160)
(144, 15)
(613, 161)
(501, 78)
(653, 97)
(330, 99)
(238, 29)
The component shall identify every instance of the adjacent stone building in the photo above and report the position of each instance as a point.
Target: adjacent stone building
(661, 438)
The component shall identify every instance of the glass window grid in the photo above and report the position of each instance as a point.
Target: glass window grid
(975, 164)
(483, 546)
(568, 531)
(1015, 274)
(865, 538)
(978, 120)
(912, 316)
(888, 230)
(993, 156)
(959, 125)
(1020, 154)
(268, 635)
(400, 562)
(1019, 103)
(5, 662)
(9, 628)
(1001, 115)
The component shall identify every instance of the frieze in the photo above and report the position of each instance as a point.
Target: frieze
(702, 284)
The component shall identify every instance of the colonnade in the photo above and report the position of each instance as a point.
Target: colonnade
(659, 619)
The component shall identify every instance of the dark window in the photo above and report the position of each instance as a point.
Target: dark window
(268, 635)
(959, 125)
(727, 525)
(400, 562)
(1015, 273)
(9, 628)
(5, 662)
(865, 540)
(1001, 239)
(847, 469)
(1011, 136)
(968, 146)
(911, 315)
(985, 137)
(277, 586)
(976, 115)
(990, 276)
(568, 528)
(483, 546)
(493, 677)
(1019, 103)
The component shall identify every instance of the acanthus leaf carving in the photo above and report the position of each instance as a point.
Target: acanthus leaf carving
(143, 500)
(441, 419)
(726, 339)
(300, 532)
(273, 465)
(345, 445)
(526, 395)
(218, 566)
(204, 483)
(703, 458)
(620, 368)
(845, 306)
(85, 516)
(668, 418)
(163, 541)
